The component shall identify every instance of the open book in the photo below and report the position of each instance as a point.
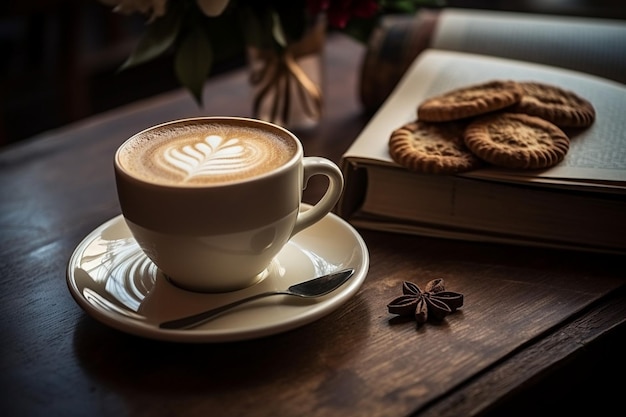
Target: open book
(578, 204)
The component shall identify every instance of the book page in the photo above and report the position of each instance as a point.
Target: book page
(595, 46)
(597, 154)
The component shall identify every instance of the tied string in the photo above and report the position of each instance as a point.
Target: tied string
(278, 74)
(275, 75)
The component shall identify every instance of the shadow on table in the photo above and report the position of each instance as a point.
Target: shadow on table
(230, 376)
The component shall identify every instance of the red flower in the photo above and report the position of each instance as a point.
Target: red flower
(339, 12)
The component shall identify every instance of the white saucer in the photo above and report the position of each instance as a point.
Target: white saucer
(113, 281)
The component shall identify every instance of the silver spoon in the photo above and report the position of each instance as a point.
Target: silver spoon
(315, 287)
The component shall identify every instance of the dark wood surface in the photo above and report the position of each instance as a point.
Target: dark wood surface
(541, 330)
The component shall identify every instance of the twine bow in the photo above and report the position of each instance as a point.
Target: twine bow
(275, 80)
(278, 78)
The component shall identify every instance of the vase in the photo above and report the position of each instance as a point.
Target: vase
(287, 84)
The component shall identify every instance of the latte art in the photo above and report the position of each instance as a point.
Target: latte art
(214, 156)
(205, 153)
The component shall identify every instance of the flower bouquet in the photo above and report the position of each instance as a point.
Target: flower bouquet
(269, 29)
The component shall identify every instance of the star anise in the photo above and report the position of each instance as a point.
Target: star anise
(434, 302)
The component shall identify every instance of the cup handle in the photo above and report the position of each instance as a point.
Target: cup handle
(315, 165)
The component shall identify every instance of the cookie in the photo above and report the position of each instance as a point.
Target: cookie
(470, 101)
(562, 107)
(515, 140)
(432, 148)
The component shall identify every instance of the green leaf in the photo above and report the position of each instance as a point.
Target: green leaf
(277, 31)
(292, 20)
(160, 35)
(193, 62)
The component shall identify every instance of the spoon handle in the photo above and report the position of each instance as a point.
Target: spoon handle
(197, 319)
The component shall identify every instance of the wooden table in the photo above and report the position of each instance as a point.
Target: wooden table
(541, 330)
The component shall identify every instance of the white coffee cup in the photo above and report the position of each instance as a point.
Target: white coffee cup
(212, 200)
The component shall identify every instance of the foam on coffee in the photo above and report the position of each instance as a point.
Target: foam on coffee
(204, 153)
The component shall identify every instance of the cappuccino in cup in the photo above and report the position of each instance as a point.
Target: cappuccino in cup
(211, 201)
(199, 154)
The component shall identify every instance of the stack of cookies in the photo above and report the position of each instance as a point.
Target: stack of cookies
(510, 124)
